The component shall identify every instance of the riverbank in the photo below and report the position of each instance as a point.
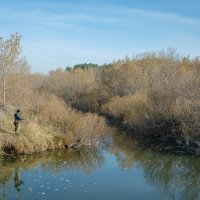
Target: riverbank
(35, 138)
(38, 137)
(51, 125)
(162, 138)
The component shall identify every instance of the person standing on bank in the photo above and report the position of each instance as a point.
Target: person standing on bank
(18, 120)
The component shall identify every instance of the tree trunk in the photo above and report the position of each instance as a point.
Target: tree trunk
(4, 89)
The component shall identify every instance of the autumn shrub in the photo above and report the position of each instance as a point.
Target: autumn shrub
(163, 90)
(69, 84)
(189, 108)
(76, 128)
(91, 102)
(88, 130)
(132, 109)
(123, 78)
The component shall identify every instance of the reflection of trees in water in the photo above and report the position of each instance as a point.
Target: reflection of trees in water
(123, 147)
(174, 175)
(171, 173)
(86, 159)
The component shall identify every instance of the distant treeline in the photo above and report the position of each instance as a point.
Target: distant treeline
(86, 66)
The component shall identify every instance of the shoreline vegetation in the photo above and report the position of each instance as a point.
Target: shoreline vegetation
(53, 125)
(154, 94)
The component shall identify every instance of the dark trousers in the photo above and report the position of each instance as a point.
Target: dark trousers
(17, 127)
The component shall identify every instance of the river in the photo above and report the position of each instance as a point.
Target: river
(118, 169)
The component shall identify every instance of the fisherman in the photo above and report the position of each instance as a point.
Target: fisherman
(18, 120)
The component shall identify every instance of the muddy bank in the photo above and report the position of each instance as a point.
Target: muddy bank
(163, 137)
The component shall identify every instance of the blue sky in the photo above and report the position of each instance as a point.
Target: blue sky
(60, 33)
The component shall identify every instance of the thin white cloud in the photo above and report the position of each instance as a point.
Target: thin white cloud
(56, 39)
(110, 14)
(166, 16)
(43, 16)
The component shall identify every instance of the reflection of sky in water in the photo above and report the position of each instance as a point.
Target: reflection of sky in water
(108, 182)
(121, 172)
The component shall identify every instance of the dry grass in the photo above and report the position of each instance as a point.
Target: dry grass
(33, 138)
(51, 125)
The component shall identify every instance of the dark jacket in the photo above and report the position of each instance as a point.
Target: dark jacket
(18, 117)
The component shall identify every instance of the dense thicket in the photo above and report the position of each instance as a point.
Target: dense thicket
(150, 90)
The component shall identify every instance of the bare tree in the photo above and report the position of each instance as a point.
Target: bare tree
(10, 51)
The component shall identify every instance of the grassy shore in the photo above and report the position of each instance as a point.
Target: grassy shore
(53, 125)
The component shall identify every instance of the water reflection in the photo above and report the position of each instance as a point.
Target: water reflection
(175, 176)
(18, 181)
(85, 160)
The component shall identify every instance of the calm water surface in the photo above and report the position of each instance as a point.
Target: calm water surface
(121, 170)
